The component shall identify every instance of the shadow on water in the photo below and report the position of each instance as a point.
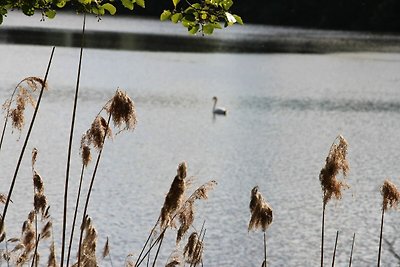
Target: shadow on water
(245, 43)
(342, 105)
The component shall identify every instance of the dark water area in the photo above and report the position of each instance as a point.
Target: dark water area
(115, 33)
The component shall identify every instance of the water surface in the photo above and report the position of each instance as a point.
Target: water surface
(284, 113)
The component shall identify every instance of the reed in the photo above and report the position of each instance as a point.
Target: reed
(261, 216)
(71, 135)
(335, 163)
(334, 249)
(390, 199)
(121, 109)
(352, 249)
(10, 191)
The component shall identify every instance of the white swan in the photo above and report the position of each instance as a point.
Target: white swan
(218, 110)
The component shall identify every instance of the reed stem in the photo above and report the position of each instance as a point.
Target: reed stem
(334, 250)
(322, 235)
(380, 238)
(158, 250)
(70, 143)
(90, 191)
(75, 215)
(352, 248)
(35, 253)
(147, 241)
(265, 248)
(3, 218)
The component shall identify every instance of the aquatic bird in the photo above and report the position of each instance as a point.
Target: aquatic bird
(218, 110)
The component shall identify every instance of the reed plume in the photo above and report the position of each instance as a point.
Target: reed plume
(261, 216)
(335, 163)
(88, 250)
(390, 199)
(261, 212)
(122, 109)
(24, 92)
(193, 251)
(174, 197)
(52, 261)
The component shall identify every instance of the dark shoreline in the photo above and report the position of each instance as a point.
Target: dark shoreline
(305, 41)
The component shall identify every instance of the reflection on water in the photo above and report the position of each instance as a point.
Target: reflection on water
(284, 112)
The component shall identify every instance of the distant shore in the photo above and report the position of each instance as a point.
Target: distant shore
(235, 39)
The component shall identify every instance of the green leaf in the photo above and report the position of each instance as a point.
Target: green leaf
(194, 29)
(98, 10)
(128, 4)
(85, 2)
(61, 4)
(176, 17)
(238, 19)
(176, 2)
(216, 25)
(140, 3)
(208, 29)
(165, 15)
(50, 13)
(110, 8)
(226, 4)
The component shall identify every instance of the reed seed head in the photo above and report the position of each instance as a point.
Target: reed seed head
(106, 250)
(34, 156)
(335, 163)
(3, 198)
(193, 250)
(261, 212)
(174, 197)
(390, 194)
(40, 202)
(85, 152)
(122, 110)
(97, 133)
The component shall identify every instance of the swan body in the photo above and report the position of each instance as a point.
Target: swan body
(218, 110)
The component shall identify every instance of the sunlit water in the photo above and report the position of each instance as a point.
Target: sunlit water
(284, 113)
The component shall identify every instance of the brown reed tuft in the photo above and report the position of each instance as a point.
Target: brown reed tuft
(46, 230)
(186, 212)
(34, 156)
(261, 212)
(86, 155)
(335, 162)
(24, 95)
(89, 244)
(175, 194)
(97, 132)
(38, 182)
(52, 261)
(40, 202)
(122, 110)
(193, 251)
(390, 194)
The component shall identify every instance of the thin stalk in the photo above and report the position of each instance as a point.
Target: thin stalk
(150, 248)
(90, 191)
(380, 238)
(322, 235)
(352, 248)
(35, 253)
(199, 239)
(158, 250)
(147, 241)
(3, 218)
(334, 250)
(70, 143)
(75, 215)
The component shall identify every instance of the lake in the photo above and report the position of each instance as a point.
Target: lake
(284, 112)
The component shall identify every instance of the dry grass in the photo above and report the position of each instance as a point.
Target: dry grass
(193, 251)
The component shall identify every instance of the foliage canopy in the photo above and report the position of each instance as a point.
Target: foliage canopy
(196, 15)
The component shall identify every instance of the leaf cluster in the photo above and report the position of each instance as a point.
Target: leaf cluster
(48, 8)
(196, 15)
(202, 16)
